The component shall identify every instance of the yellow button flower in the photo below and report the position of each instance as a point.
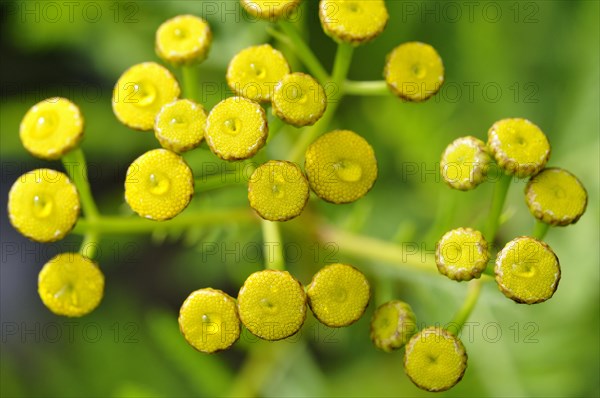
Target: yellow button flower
(392, 325)
(341, 166)
(556, 197)
(299, 100)
(462, 254)
(527, 270)
(435, 360)
(71, 285)
(353, 21)
(141, 92)
(209, 321)
(236, 128)
(278, 190)
(518, 146)
(179, 125)
(43, 205)
(51, 128)
(272, 304)
(338, 295)
(254, 72)
(269, 9)
(184, 39)
(464, 163)
(414, 71)
(159, 185)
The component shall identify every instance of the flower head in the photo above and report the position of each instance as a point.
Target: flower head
(414, 71)
(141, 92)
(71, 285)
(269, 9)
(353, 21)
(338, 295)
(341, 166)
(51, 128)
(236, 128)
(527, 270)
(392, 325)
(299, 100)
(435, 360)
(43, 205)
(556, 197)
(183, 39)
(462, 254)
(518, 146)
(159, 185)
(272, 304)
(464, 163)
(254, 72)
(179, 126)
(278, 190)
(209, 321)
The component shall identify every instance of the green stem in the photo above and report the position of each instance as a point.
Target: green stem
(341, 66)
(540, 229)
(493, 220)
(273, 245)
(212, 182)
(75, 165)
(191, 82)
(294, 40)
(464, 312)
(132, 225)
(366, 88)
(89, 246)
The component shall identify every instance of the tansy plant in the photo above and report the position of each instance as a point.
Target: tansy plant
(337, 166)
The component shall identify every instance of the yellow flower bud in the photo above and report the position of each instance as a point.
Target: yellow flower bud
(299, 100)
(71, 285)
(209, 321)
(392, 325)
(353, 21)
(179, 125)
(253, 72)
(341, 166)
(141, 92)
(43, 205)
(159, 185)
(518, 146)
(184, 39)
(464, 163)
(236, 128)
(414, 71)
(462, 254)
(52, 128)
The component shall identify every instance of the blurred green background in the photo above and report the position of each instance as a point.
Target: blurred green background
(538, 60)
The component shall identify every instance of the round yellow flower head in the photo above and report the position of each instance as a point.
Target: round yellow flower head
(341, 166)
(184, 39)
(353, 21)
(527, 270)
(51, 128)
(141, 92)
(338, 295)
(269, 9)
(209, 321)
(159, 185)
(236, 128)
(179, 125)
(71, 285)
(462, 254)
(414, 71)
(435, 360)
(299, 100)
(43, 205)
(518, 146)
(253, 72)
(464, 163)
(272, 304)
(556, 197)
(392, 325)
(278, 190)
